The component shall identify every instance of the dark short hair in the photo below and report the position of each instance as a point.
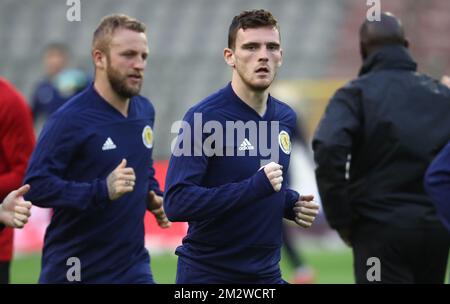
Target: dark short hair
(250, 19)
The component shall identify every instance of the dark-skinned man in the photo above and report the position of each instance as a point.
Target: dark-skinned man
(372, 147)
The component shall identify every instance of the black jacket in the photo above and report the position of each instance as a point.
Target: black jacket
(390, 122)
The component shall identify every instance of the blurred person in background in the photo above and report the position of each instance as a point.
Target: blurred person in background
(93, 165)
(378, 135)
(302, 272)
(16, 145)
(235, 204)
(60, 83)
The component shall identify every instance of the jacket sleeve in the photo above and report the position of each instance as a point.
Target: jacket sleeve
(332, 145)
(292, 197)
(153, 183)
(437, 184)
(185, 198)
(16, 142)
(56, 149)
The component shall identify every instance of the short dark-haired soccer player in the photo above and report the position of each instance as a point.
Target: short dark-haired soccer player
(93, 166)
(234, 207)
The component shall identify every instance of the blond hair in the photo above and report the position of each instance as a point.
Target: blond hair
(105, 30)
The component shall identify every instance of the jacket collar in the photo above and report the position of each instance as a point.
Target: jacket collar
(391, 57)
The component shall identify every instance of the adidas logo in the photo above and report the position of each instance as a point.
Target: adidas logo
(246, 145)
(109, 145)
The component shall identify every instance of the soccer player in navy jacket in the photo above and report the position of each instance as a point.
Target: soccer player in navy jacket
(230, 188)
(93, 166)
(437, 184)
(437, 178)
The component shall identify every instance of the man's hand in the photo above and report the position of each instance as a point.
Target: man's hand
(306, 211)
(344, 233)
(120, 181)
(155, 206)
(446, 80)
(275, 175)
(15, 211)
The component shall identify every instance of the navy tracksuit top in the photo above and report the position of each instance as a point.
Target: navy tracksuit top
(235, 216)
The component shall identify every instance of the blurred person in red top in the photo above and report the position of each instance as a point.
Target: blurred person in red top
(16, 144)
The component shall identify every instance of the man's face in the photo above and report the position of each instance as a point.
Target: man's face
(55, 60)
(126, 62)
(258, 56)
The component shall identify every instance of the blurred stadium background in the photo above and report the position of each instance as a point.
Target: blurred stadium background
(186, 40)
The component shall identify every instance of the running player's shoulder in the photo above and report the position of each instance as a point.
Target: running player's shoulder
(283, 111)
(209, 105)
(72, 112)
(144, 104)
(78, 103)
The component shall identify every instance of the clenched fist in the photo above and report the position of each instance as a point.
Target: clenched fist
(275, 175)
(155, 206)
(306, 211)
(120, 181)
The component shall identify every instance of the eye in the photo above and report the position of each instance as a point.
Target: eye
(250, 47)
(128, 54)
(273, 47)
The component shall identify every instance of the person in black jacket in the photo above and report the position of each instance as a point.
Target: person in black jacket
(372, 147)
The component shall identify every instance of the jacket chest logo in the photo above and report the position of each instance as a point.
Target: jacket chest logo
(285, 142)
(109, 145)
(246, 145)
(147, 136)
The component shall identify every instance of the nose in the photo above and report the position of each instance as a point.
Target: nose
(140, 63)
(263, 54)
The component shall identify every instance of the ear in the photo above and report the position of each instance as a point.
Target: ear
(99, 59)
(406, 43)
(228, 56)
(281, 58)
(362, 50)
